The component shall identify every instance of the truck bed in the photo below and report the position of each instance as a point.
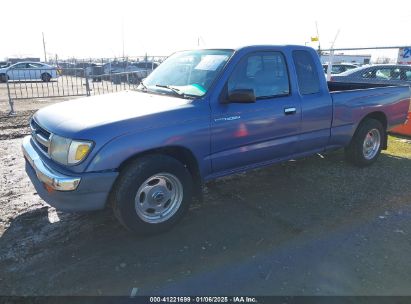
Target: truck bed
(353, 101)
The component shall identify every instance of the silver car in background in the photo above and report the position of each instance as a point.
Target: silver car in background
(29, 71)
(339, 68)
(381, 73)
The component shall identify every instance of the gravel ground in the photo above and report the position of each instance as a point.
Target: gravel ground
(316, 226)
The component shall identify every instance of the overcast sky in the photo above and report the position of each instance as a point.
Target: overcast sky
(84, 29)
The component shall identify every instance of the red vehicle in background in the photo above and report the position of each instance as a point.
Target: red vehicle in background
(405, 129)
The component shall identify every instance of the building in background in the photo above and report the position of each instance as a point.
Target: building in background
(15, 60)
(345, 58)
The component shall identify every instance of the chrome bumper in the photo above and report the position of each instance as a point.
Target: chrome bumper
(45, 174)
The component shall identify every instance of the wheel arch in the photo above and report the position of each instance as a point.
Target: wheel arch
(183, 155)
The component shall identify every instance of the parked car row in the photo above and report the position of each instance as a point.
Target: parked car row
(29, 71)
(99, 71)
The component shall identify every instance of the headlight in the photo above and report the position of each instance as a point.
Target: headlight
(59, 148)
(67, 151)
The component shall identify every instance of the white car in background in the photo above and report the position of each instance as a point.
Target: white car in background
(28, 71)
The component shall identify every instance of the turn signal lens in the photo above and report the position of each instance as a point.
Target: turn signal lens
(78, 151)
(81, 152)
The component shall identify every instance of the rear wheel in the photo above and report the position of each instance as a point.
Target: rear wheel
(366, 144)
(46, 77)
(152, 194)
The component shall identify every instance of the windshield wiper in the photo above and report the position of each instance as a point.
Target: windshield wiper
(176, 91)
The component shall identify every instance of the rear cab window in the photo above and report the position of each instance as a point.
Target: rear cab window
(307, 75)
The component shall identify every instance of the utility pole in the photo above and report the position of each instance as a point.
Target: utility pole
(200, 40)
(122, 35)
(44, 48)
(318, 36)
(331, 57)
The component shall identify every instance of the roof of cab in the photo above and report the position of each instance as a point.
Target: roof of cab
(259, 46)
(264, 46)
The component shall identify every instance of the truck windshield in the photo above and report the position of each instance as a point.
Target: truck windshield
(187, 73)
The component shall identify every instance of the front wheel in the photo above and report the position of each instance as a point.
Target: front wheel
(152, 194)
(45, 77)
(366, 144)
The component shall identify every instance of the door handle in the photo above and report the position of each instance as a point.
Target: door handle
(290, 111)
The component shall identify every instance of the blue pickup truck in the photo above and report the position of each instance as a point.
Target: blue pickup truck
(200, 115)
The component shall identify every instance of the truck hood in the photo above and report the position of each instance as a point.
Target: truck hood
(77, 116)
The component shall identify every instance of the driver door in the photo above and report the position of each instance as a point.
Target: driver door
(247, 134)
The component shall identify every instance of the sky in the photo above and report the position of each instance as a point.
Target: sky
(83, 29)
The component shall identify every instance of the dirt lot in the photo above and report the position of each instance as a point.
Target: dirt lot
(316, 226)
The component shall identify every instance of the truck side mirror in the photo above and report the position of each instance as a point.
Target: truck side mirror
(241, 96)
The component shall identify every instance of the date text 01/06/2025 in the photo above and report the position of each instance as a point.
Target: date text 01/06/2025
(206, 299)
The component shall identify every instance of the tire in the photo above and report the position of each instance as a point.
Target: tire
(45, 77)
(365, 146)
(4, 78)
(151, 194)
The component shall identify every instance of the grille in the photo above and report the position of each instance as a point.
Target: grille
(40, 136)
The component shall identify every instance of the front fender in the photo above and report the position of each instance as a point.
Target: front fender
(194, 138)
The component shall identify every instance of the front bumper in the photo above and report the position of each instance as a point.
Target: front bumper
(83, 192)
(45, 174)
